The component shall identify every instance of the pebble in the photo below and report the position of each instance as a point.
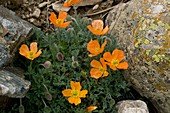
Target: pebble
(43, 4)
(36, 13)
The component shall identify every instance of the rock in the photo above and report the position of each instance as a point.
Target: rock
(142, 29)
(12, 85)
(43, 4)
(12, 4)
(36, 13)
(132, 106)
(88, 2)
(4, 54)
(96, 7)
(14, 31)
(18, 31)
(59, 7)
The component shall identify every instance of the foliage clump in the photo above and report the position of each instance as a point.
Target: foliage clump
(65, 58)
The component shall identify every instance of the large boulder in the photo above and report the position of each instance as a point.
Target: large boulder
(13, 31)
(142, 28)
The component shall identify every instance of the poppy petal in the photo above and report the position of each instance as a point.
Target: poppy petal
(107, 56)
(93, 31)
(96, 32)
(91, 108)
(97, 24)
(64, 25)
(62, 15)
(122, 65)
(92, 55)
(95, 73)
(75, 85)
(71, 100)
(90, 28)
(75, 1)
(102, 47)
(38, 54)
(53, 17)
(67, 92)
(74, 100)
(33, 47)
(70, 2)
(103, 63)
(83, 93)
(24, 50)
(77, 101)
(92, 46)
(111, 66)
(118, 55)
(105, 74)
(95, 63)
(105, 30)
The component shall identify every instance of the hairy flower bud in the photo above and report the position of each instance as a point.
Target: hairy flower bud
(48, 96)
(60, 56)
(70, 29)
(109, 40)
(21, 109)
(47, 64)
(75, 64)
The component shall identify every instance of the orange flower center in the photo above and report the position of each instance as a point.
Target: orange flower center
(31, 55)
(114, 62)
(75, 93)
(59, 21)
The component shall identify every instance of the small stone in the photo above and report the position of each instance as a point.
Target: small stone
(88, 2)
(59, 7)
(96, 7)
(43, 4)
(31, 20)
(132, 106)
(36, 13)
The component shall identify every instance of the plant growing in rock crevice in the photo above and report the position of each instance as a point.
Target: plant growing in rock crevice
(66, 52)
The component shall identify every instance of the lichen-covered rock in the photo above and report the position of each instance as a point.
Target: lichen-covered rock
(16, 31)
(142, 28)
(132, 106)
(12, 85)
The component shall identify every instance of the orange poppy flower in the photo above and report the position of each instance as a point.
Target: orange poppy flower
(94, 47)
(32, 53)
(59, 22)
(99, 69)
(68, 3)
(114, 59)
(74, 93)
(91, 108)
(97, 27)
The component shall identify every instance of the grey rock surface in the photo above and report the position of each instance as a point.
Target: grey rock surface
(18, 31)
(132, 106)
(11, 85)
(142, 29)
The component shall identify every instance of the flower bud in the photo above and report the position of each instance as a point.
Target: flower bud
(48, 96)
(47, 64)
(75, 64)
(70, 29)
(91, 108)
(21, 109)
(109, 40)
(60, 56)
